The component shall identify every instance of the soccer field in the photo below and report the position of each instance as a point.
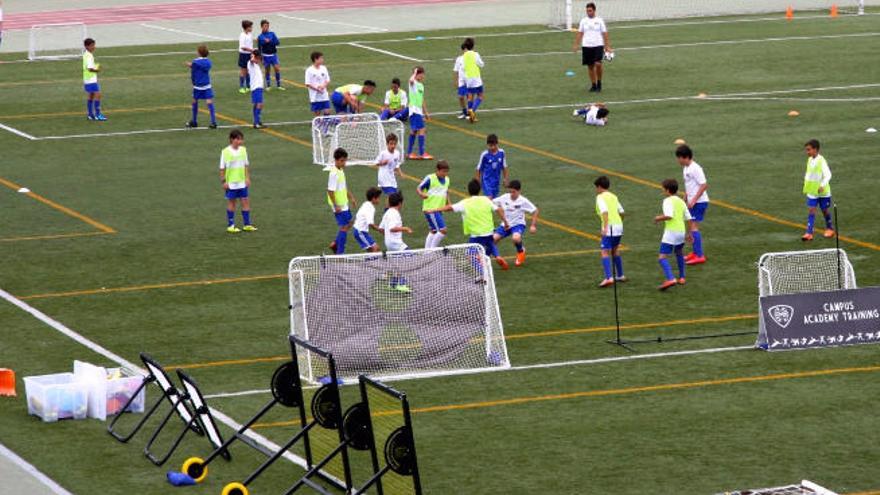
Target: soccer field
(123, 241)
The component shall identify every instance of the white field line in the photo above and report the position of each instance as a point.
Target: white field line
(319, 21)
(785, 98)
(730, 21)
(159, 131)
(17, 132)
(33, 471)
(172, 30)
(560, 364)
(386, 52)
(94, 347)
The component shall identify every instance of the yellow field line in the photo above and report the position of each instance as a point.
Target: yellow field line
(634, 326)
(620, 391)
(211, 364)
(136, 288)
(52, 236)
(80, 113)
(63, 209)
(872, 492)
(271, 132)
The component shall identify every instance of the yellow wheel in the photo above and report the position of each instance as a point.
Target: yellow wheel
(235, 488)
(195, 468)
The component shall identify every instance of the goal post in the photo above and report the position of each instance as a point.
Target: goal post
(56, 41)
(405, 314)
(362, 135)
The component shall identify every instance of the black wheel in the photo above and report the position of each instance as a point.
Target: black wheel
(286, 385)
(400, 453)
(356, 427)
(325, 406)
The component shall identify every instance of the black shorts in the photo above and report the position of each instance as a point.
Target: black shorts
(592, 54)
(243, 59)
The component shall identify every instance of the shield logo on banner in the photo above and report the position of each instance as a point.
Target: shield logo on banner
(781, 314)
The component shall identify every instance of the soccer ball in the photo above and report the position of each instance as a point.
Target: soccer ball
(609, 56)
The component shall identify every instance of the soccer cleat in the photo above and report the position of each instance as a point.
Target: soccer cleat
(249, 228)
(829, 233)
(426, 157)
(682, 281)
(402, 288)
(91, 117)
(281, 88)
(213, 125)
(503, 264)
(520, 258)
(593, 89)
(100, 117)
(696, 260)
(667, 284)
(259, 125)
(461, 116)
(807, 237)
(268, 88)
(232, 229)
(608, 282)
(242, 90)
(622, 278)
(472, 116)
(690, 256)
(192, 124)
(413, 156)
(333, 246)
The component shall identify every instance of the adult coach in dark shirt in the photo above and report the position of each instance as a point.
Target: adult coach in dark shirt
(592, 37)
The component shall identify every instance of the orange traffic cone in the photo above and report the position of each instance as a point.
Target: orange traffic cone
(7, 382)
(789, 13)
(833, 10)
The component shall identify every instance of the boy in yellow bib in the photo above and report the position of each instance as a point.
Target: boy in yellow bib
(817, 188)
(675, 214)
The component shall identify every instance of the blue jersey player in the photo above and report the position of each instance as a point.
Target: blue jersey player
(492, 170)
(268, 43)
(200, 73)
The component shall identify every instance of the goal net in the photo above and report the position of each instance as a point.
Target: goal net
(417, 313)
(794, 272)
(804, 488)
(566, 14)
(362, 135)
(56, 41)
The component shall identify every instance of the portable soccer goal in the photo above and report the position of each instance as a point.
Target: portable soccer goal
(794, 272)
(805, 487)
(56, 41)
(361, 135)
(417, 313)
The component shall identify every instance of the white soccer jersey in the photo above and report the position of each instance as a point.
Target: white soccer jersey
(245, 40)
(390, 220)
(670, 237)
(459, 68)
(693, 179)
(614, 229)
(316, 76)
(591, 119)
(365, 217)
(593, 28)
(255, 74)
(386, 172)
(515, 209)
(404, 102)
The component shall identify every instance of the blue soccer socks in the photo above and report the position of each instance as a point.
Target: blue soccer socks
(421, 144)
(811, 219)
(606, 266)
(698, 243)
(618, 266)
(667, 269)
(230, 218)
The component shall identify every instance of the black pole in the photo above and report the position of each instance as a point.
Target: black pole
(837, 245)
(618, 340)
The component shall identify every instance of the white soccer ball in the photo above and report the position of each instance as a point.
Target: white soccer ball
(609, 56)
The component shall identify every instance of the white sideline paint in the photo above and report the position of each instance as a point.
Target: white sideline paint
(159, 131)
(33, 471)
(386, 52)
(94, 347)
(17, 132)
(172, 30)
(335, 23)
(561, 364)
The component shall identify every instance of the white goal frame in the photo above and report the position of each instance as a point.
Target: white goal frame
(767, 286)
(35, 51)
(362, 135)
(302, 325)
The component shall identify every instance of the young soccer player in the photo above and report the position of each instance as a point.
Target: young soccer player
(695, 187)
(476, 214)
(365, 220)
(351, 97)
(268, 44)
(395, 103)
(235, 176)
(255, 71)
(388, 162)
(245, 48)
(418, 113)
(200, 73)
(593, 114)
(592, 38)
(472, 63)
(339, 198)
(434, 191)
(817, 188)
(492, 168)
(90, 81)
(515, 207)
(392, 224)
(610, 213)
(675, 214)
(460, 84)
(317, 80)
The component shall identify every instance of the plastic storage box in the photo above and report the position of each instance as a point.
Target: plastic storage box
(109, 389)
(54, 397)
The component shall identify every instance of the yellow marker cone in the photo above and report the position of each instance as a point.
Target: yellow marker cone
(679, 141)
(793, 113)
